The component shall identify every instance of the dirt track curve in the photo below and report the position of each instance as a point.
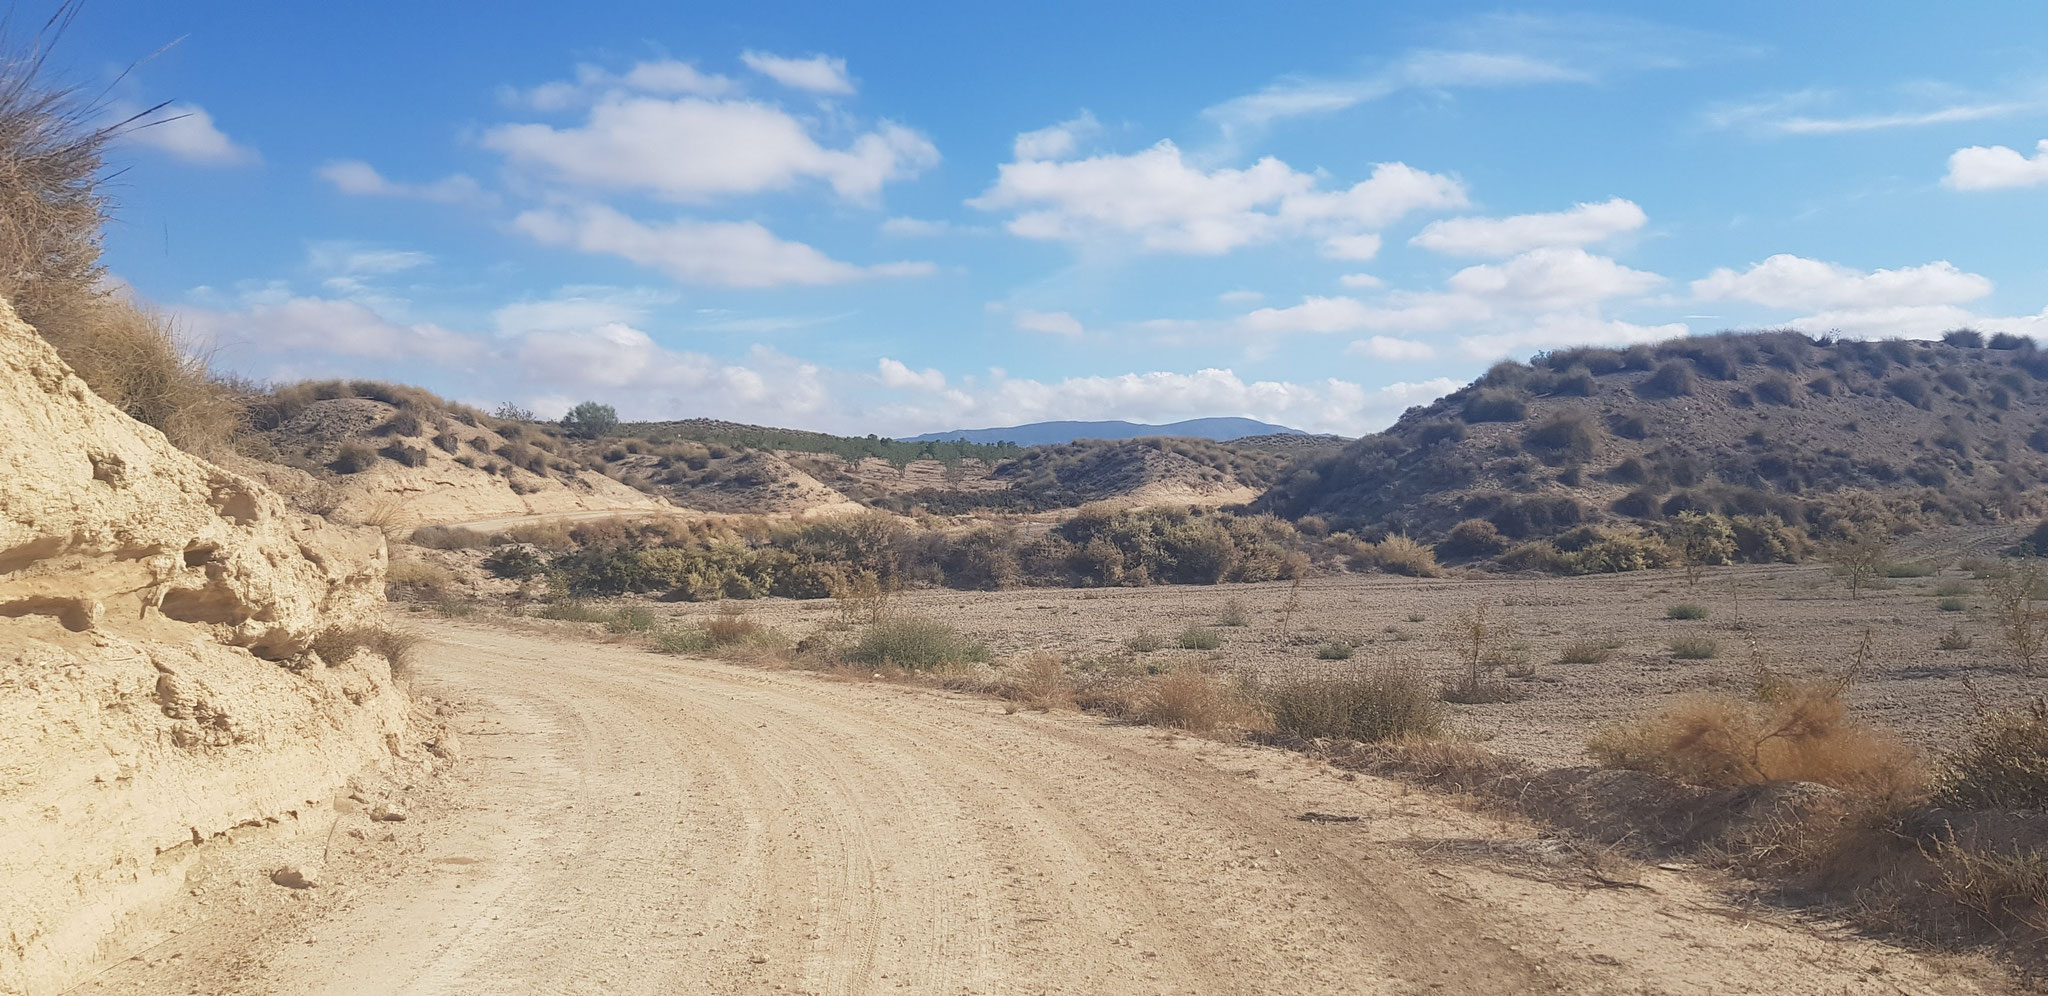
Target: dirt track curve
(629, 823)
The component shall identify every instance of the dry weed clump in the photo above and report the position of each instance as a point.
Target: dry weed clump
(1189, 699)
(2022, 621)
(1039, 681)
(2003, 766)
(1784, 731)
(398, 647)
(1199, 638)
(1587, 652)
(1398, 554)
(417, 578)
(1383, 704)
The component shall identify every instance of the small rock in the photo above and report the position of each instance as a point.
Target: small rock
(293, 877)
(386, 813)
(758, 959)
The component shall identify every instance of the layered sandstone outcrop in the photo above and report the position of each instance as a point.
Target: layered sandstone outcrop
(157, 684)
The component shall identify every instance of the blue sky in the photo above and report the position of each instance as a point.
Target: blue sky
(897, 219)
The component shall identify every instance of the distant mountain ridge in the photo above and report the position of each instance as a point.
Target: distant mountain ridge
(1054, 433)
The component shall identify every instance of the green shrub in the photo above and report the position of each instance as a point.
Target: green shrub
(1952, 605)
(1200, 638)
(630, 619)
(1686, 610)
(1381, 705)
(515, 562)
(1334, 650)
(681, 640)
(916, 643)
(1694, 648)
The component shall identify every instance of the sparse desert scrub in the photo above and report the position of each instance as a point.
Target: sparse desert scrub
(1686, 610)
(1234, 614)
(916, 643)
(550, 536)
(1383, 704)
(515, 562)
(1952, 605)
(448, 538)
(1145, 642)
(2022, 622)
(1199, 638)
(1477, 638)
(1694, 648)
(1334, 650)
(1587, 652)
(572, 610)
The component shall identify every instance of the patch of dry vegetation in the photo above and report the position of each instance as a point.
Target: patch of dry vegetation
(53, 140)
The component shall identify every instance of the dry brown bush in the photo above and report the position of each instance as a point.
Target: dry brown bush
(1784, 731)
(132, 359)
(1040, 681)
(418, 578)
(550, 536)
(1188, 699)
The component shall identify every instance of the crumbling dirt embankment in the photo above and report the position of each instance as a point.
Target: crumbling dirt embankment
(157, 690)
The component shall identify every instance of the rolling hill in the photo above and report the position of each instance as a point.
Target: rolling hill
(1830, 437)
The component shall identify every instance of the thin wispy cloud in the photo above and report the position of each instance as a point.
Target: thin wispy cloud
(1826, 112)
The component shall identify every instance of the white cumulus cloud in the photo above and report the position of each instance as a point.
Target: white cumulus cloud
(186, 132)
(897, 375)
(1997, 167)
(695, 149)
(1789, 281)
(1164, 203)
(1584, 224)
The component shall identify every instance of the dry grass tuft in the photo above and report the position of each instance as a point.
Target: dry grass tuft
(1040, 682)
(417, 578)
(1385, 704)
(448, 538)
(916, 643)
(1188, 699)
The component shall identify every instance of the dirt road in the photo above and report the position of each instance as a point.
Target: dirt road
(630, 823)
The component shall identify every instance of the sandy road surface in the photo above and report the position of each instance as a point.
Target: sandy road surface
(629, 823)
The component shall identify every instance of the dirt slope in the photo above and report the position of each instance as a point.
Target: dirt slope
(156, 687)
(639, 824)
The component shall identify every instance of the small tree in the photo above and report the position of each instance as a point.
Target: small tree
(590, 420)
(1701, 541)
(1859, 563)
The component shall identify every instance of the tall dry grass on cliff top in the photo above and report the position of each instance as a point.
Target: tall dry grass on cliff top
(54, 138)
